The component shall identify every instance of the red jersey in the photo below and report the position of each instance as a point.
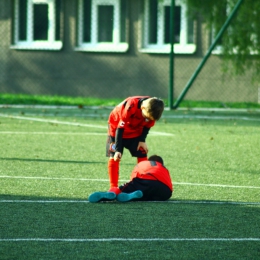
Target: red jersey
(128, 116)
(151, 170)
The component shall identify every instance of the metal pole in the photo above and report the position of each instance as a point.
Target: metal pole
(171, 67)
(224, 27)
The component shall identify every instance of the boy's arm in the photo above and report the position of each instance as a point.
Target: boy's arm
(144, 134)
(118, 139)
(118, 143)
(124, 115)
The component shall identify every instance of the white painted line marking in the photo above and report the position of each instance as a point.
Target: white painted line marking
(53, 121)
(50, 133)
(212, 117)
(56, 107)
(73, 124)
(106, 180)
(240, 239)
(216, 185)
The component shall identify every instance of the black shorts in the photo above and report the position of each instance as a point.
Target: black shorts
(130, 143)
(152, 190)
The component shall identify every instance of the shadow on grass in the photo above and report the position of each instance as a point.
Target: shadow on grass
(47, 160)
(53, 161)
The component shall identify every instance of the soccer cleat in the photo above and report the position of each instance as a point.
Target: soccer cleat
(124, 197)
(101, 196)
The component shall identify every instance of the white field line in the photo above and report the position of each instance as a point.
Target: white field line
(72, 133)
(217, 185)
(69, 240)
(52, 121)
(168, 201)
(213, 117)
(50, 133)
(72, 123)
(106, 180)
(56, 107)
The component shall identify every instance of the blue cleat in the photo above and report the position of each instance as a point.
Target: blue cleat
(101, 196)
(124, 197)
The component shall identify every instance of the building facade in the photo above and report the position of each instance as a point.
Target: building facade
(107, 49)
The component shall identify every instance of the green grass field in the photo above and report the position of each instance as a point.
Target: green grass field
(53, 159)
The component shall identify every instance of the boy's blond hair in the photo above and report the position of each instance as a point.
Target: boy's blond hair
(155, 107)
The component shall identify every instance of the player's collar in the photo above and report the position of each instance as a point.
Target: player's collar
(140, 101)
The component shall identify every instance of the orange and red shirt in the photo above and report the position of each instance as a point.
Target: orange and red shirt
(152, 170)
(127, 116)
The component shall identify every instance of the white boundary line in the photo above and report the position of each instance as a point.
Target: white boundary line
(53, 121)
(216, 185)
(106, 180)
(241, 239)
(213, 117)
(51, 133)
(72, 123)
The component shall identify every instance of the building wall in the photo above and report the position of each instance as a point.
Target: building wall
(107, 75)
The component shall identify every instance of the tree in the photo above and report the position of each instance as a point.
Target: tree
(240, 43)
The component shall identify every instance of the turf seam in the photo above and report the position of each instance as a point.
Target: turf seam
(169, 201)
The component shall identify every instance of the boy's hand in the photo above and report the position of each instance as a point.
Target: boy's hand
(142, 145)
(117, 156)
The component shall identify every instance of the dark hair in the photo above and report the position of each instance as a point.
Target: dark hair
(156, 158)
(155, 107)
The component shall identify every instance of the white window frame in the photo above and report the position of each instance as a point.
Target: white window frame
(94, 45)
(218, 48)
(30, 43)
(160, 47)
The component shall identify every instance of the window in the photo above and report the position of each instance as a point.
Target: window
(102, 26)
(37, 25)
(156, 28)
(218, 47)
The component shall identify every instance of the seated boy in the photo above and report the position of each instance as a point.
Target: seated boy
(150, 181)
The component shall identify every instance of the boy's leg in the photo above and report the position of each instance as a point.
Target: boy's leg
(113, 172)
(112, 166)
(131, 145)
(141, 159)
(141, 155)
(152, 190)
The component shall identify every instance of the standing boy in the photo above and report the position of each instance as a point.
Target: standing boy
(149, 181)
(128, 126)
